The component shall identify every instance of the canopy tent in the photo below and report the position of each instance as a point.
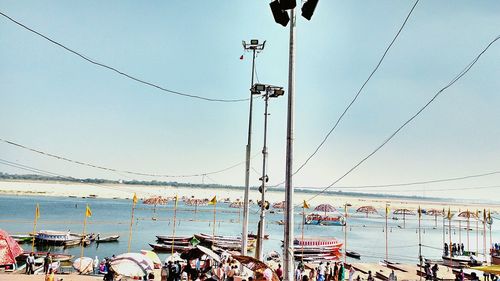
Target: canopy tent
(132, 265)
(434, 212)
(495, 269)
(155, 200)
(198, 252)
(404, 212)
(236, 204)
(255, 265)
(468, 215)
(367, 210)
(326, 208)
(9, 249)
(83, 265)
(153, 257)
(279, 205)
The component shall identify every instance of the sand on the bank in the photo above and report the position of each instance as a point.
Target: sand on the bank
(122, 191)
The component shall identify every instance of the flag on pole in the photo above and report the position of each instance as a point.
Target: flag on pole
(419, 212)
(213, 201)
(88, 212)
(37, 212)
(449, 213)
(386, 209)
(484, 215)
(305, 205)
(489, 215)
(134, 199)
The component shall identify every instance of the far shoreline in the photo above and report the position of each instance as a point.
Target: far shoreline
(125, 191)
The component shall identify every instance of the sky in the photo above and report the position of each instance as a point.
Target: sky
(56, 102)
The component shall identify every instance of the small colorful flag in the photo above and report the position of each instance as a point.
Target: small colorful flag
(88, 212)
(449, 213)
(134, 199)
(386, 209)
(305, 205)
(213, 201)
(419, 212)
(37, 211)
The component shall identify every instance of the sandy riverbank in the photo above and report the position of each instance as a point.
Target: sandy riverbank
(122, 191)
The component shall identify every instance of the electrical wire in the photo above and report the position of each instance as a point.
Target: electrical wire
(357, 94)
(48, 173)
(453, 81)
(84, 57)
(117, 170)
(424, 182)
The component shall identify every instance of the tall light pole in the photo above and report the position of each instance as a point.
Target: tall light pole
(278, 8)
(255, 47)
(270, 92)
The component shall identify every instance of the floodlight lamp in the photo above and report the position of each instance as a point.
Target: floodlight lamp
(259, 87)
(254, 42)
(279, 15)
(288, 4)
(308, 8)
(277, 92)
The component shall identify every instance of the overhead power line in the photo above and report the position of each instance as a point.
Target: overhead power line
(357, 93)
(453, 81)
(422, 182)
(117, 170)
(120, 72)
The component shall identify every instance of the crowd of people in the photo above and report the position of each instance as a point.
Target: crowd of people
(457, 249)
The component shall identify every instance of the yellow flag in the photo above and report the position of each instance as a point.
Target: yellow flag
(134, 199)
(449, 213)
(386, 209)
(489, 215)
(213, 201)
(88, 212)
(37, 211)
(305, 205)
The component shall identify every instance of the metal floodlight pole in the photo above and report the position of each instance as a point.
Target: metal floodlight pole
(244, 233)
(288, 259)
(259, 251)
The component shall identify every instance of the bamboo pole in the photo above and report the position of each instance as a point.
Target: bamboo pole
(449, 232)
(134, 201)
(345, 233)
(83, 233)
(477, 232)
(37, 215)
(175, 218)
(303, 226)
(386, 232)
(420, 239)
(468, 228)
(484, 234)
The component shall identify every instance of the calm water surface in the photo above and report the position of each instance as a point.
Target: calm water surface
(112, 216)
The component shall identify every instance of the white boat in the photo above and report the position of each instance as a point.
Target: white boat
(59, 238)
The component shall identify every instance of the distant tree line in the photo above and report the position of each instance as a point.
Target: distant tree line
(32, 177)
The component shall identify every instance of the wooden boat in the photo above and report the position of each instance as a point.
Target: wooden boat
(173, 238)
(57, 238)
(327, 219)
(23, 238)
(112, 238)
(168, 248)
(323, 242)
(353, 254)
(219, 239)
(55, 256)
(254, 236)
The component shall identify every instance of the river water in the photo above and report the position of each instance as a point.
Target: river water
(365, 235)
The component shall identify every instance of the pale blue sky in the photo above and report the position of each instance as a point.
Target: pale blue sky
(54, 101)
